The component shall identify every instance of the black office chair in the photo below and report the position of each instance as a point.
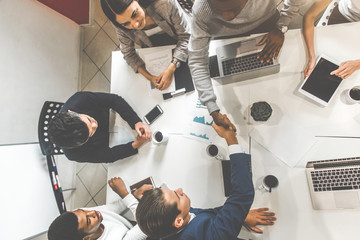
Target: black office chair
(186, 5)
(49, 149)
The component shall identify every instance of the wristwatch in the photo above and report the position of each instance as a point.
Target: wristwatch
(176, 63)
(283, 29)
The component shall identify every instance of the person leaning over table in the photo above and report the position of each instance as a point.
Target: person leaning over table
(164, 213)
(101, 222)
(81, 128)
(150, 23)
(344, 12)
(219, 18)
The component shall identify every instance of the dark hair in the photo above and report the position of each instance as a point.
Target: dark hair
(113, 7)
(65, 227)
(67, 130)
(154, 216)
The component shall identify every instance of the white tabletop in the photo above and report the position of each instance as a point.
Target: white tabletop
(184, 163)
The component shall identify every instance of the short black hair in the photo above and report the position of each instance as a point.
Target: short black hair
(65, 227)
(113, 7)
(67, 130)
(155, 217)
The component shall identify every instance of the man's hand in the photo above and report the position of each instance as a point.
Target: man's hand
(309, 67)
(138, 193)
(166, 77)
(222, 120)
(154, 80)
(228, 134)
(347, 68)
(260, 216)
(118, 186)
(143, 130)
(138, 142)
(274, 41)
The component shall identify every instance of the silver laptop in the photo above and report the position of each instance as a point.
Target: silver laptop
(238, 61)
(335, 183)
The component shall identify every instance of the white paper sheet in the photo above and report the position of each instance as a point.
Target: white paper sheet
(288, 141)
(155, 64)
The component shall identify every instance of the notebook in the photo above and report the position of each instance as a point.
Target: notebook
(238, 61)
(334, 183)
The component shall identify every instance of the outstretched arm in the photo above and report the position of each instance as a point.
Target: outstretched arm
(308, 31)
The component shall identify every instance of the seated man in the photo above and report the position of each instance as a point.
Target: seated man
(82, 128)
(220, 18)
(163, 213)
(101, 222)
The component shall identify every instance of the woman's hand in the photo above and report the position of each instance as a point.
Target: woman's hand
(166, 77)
(347, 68)
(309, 67)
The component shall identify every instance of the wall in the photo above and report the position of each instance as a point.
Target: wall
(39, 61)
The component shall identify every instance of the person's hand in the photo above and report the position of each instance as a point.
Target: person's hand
(347, 68)
(226, 133)
(166, 77)
(155, 80)
(143, 130)
(140, 140)
(274, 41)
(222, 120)
(260, 216)
(309, 67)
(118, 186)
(138, 193)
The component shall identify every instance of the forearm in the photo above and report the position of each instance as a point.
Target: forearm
(199, 67)
(291, 8)
(142, 70)
(308, 31)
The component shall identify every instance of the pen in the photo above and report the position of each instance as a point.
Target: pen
(58, 182)
(178, 92)
(53, 163)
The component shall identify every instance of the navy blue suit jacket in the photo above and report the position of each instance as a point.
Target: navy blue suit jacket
(224, 223)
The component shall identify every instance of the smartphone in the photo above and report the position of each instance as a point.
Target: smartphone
(153, 114)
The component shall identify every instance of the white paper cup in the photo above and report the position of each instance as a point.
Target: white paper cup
(160, 137)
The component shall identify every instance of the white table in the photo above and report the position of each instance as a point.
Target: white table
(183, 162)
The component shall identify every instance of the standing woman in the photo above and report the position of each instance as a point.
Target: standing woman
(150, 23)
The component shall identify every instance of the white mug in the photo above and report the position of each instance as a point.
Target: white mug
(215, 151)
(352, 95)
(160, 137)
(269, 182)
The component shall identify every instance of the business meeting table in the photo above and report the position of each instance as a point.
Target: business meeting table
(183, 161)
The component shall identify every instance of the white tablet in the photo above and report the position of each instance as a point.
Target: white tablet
(320, 86)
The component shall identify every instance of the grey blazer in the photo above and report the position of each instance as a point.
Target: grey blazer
(171, 18)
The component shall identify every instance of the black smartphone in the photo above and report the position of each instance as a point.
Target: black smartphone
(153, 114)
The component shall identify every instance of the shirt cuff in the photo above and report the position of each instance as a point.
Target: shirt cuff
(235, 148)
(129, 200)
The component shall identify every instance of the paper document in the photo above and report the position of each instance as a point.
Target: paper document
(288, 141)
(156, 63)
(200, 125)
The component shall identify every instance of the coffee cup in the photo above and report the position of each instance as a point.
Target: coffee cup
(352, 95)
(159, 137)
(214, 151)
(269, 182)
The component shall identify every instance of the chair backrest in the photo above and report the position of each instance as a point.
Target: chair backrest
(326, 15)
(186, 5)
(49, 110)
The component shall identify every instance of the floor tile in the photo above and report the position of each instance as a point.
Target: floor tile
(100, 197)
(106, 69)
(69, 198)
(99, 15)
(100, 48)
(88, 69)
(99, 83)
(82, 196)
(93, 176)
(79, 166)
(91, 204)
(88, 33)
(110, 30)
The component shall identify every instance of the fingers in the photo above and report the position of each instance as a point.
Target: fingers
(263, 40)
(255, 229)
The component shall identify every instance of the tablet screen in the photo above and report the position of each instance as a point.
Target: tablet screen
(320, 83)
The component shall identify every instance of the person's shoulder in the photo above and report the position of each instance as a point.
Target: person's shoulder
(201, 9)
(162, 5)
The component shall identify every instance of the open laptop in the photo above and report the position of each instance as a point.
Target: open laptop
(238, 61)
(334, 183)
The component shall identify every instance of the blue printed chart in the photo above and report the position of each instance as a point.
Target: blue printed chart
(200, 126)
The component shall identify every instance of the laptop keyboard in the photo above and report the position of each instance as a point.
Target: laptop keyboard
(244, 63)
(336, 179)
